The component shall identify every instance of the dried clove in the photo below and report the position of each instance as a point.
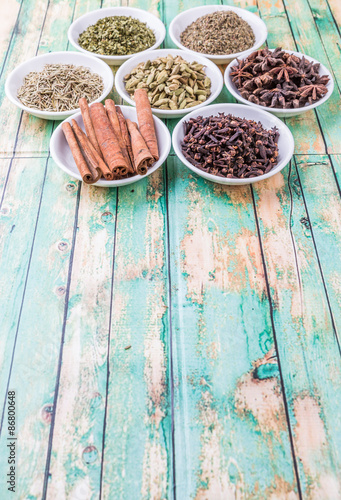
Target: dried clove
(229, 146)
(277, 79)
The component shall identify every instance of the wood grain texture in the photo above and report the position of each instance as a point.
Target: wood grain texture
(137, 458)
(229, 411)
(34, 376)
(172, 338)
(304, 328)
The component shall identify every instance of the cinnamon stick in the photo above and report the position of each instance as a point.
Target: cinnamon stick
(113, 118)
(89, 129)
(88, 175)
(143, 158)
(107, 139)
(146, 121)
(125, 133)
(90, 153)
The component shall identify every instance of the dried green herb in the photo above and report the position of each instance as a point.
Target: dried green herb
(171, 83)
(222, 32)
(117, 36)
(58, 87)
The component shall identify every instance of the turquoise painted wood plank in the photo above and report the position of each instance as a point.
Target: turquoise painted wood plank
(79, 413)
(230, 431)
(23, 47)
(17, 220)
(306, 342)
(39, 333)
(305, 128)
(8, 17)
(138, 451)
(308, 41)
(335, 8)
(322, 198)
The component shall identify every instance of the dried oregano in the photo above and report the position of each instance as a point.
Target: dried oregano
(171, 82)
(222, 32)
(58, 87)
(117, 35)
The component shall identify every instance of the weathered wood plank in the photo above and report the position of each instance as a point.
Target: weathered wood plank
(78, 428)
(306, 342)
(138, 417)
(39, 327)
(335, 8)
(8, 17)
(322, 198)
(308, 41)
(23, 46)
(229, 410)
(305, 128)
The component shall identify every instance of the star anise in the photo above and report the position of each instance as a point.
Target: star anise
(279, 79)
(284, 71)
(313, 92)
(239, 73)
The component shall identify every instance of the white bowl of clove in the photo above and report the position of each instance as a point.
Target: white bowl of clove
(240, 144)
(294, 85)
(61, 152)
(49, 86)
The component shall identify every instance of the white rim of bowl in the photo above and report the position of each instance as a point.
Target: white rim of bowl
(119, 82)
(278, 123)
(235, 92)
(119, 58)
(105, 92)
(103, 182)
(220, 56)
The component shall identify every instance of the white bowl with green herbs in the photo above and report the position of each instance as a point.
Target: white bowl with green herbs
(203, 91)
(96, 45)
(182, 21)
(33, 94)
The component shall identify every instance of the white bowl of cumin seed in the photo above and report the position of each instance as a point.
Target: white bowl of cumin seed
(183, 20)
(16, 79)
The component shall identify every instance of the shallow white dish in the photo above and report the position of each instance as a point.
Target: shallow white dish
(16, 79)
(153, 22)
(62, 155)
(282, 113)
(211, 70)
(285, 142)
(181, 21)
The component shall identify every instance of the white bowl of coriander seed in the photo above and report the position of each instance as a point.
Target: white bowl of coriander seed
(176, 81)
(219, 32)
(115, 34)
(49, 86)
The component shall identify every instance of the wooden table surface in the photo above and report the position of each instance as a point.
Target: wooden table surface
(228, 299)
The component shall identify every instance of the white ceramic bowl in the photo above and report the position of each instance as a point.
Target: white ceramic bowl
(62, 155)
(181, 21)
(211, 70)
(285, 142)
(282, 113)
(16, 79)
(153, 22)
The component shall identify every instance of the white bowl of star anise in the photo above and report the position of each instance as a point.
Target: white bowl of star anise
(284, 82)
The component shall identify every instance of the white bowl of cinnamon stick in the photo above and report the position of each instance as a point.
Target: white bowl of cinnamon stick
(111, 145)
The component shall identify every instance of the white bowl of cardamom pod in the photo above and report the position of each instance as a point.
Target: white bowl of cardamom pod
(198, 39)
(109, 42)
(52, 92)
(177, 82)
